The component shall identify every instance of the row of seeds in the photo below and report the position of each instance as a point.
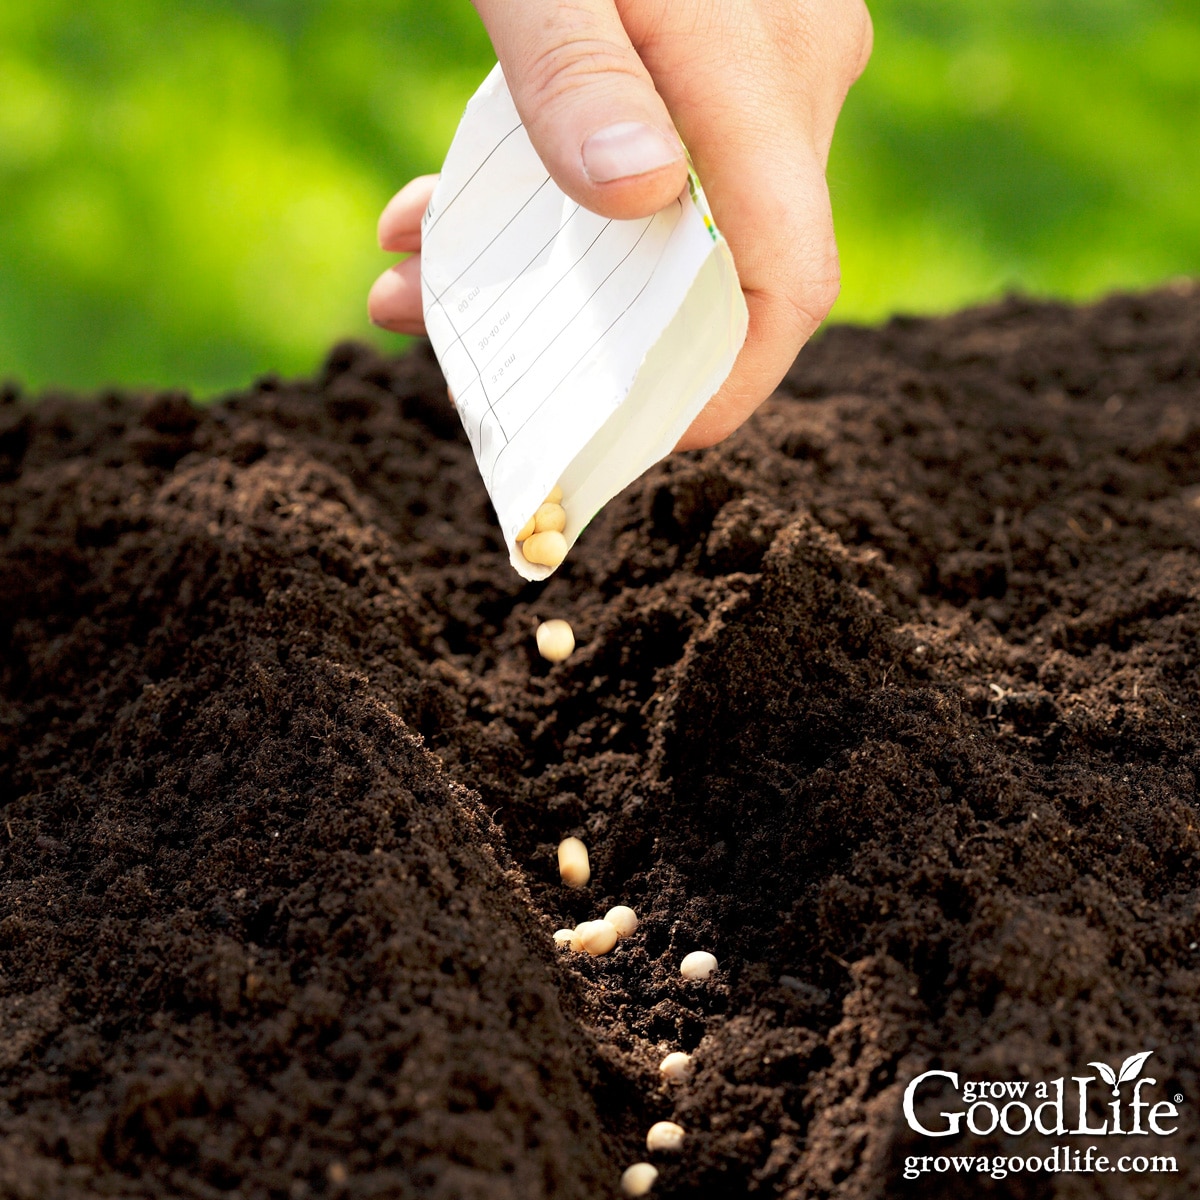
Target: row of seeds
(599, 937)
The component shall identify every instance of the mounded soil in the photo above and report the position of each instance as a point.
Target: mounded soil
(890, 701)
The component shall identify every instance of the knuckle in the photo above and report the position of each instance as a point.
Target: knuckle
(563, 65)
(864, 37)
(809, 300)
(851, 36)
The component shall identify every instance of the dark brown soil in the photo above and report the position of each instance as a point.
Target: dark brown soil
(891, 701)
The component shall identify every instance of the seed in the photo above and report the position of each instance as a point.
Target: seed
(546, 549)
(526, 530)
(596, 937)
(638, 1179)
(675, 1066)
(698, 965)
(665, 1136)
(623, 919)
(563, 937)
(573, 863)
(555, 640)
(552, 517)
(555, 496)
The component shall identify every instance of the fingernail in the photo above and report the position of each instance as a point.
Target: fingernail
(626, 149)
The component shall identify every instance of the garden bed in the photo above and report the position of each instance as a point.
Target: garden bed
(890, 701)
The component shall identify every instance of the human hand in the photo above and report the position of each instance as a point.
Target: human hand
(754, 88)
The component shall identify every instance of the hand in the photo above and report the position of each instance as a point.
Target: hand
(754, 88)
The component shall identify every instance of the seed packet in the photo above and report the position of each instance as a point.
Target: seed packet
(578, 349)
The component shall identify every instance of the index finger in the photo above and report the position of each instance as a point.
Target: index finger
(400, 221)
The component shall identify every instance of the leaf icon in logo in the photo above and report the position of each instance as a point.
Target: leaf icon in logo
(1107, 1074)
(1132, 1065)
(1129, 1070)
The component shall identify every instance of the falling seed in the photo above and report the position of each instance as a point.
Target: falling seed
(563, 937)
(623, 919)
(698, 965)
(573, 865)
(596, 937)
(638, 1179)
(665, 1137)
(675, 1066)
(555, 640)
(545, 549)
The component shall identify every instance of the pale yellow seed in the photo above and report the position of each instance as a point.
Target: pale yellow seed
(576, 944)
(675, 1066)
(563, 937)
(573, 863)
(623, 919)
(698, 965)
(596, 937)
(550, 517)
(556, 494)
(526, 530)
(555, 640)
(664, 1137)
(546, 549)
(638, 1179)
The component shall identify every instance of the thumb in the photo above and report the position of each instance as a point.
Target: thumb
(588, 103)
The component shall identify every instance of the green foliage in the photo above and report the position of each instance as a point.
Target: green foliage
(1043, 145)
(189, 188)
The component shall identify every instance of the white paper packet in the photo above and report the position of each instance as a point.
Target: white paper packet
(578, 349)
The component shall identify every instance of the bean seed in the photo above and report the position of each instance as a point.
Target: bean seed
(665, 1136)
(638, 1179)
(555, 640)
(556, 495)
(545, 549)
(563, 937)
(623, 919)
(698, 965)
(527, 530)
(596, 937)
(573, 864)
(675, 1066)
(552, 517)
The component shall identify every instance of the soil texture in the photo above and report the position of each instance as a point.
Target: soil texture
(890, 701)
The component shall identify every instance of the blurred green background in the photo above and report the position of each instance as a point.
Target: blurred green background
(189, 188)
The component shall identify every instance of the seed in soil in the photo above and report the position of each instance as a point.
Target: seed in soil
(665, 1137)
(596, 937)
(573, 865)
(675, 1066)
(698, 965)
(545, 549)
(623, 919)
(555, 640)
(638, 1179)
(563, 937)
